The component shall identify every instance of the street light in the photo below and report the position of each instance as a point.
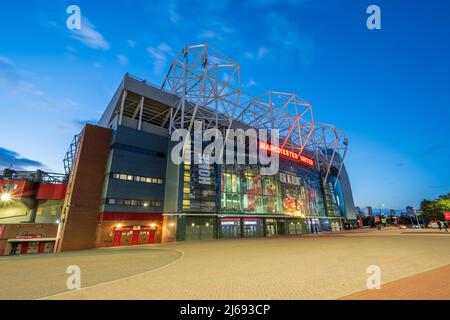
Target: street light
(417, 219)
(5, 197)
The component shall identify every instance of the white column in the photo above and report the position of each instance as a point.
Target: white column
(141, 108)
(121, 106)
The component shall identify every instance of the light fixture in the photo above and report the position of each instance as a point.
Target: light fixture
(119, 225)
(5, 197)
(58, 221)
(207, 224)
(152, 225)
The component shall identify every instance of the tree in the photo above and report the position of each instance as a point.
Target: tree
(434, 209)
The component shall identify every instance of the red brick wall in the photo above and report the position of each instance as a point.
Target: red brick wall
(81, 218)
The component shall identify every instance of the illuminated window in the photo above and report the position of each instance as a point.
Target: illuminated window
(134, 202)
(127, 177)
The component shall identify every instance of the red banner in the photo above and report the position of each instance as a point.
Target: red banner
(447, 216)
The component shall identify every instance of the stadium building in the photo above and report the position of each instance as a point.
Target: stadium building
(124, 189)
(30, 210)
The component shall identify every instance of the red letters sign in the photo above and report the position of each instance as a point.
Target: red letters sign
(447, 216)
(287, 154)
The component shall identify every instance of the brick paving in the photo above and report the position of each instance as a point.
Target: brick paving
(298, 267)
(430, 285)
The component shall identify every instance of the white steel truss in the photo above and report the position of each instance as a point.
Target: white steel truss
(208, 86)
(329, 145)
(287, 112)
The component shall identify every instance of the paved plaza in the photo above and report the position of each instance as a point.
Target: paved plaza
(328, 266)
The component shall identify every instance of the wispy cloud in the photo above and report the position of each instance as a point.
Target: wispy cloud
(20, 83)
(6, 60)
(10, 158)
(260, 53)
(250, 83)
(89, 36)
(285, 33)
(209, 35)
(432, 149)
(249, 55)
(131, 44)
(267, 3)
(16, 84)
(123, 60)
(160, 56)
(218, 31)
(174, 17)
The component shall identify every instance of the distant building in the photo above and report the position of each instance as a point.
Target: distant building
(392, 212)
(369, 211)
(409, 211)
(359, 211)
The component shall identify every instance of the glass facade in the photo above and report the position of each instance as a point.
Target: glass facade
(232, 201)
(199, 186)
(293, 191)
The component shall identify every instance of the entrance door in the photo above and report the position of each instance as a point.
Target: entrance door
(24, 248)
(151, 236)
(135, 238)
(117, 238)
(41, 247)
(270, 229)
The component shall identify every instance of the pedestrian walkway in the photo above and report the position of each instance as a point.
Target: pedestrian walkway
(431, 285)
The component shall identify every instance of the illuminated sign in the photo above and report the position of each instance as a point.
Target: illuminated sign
(28, 236)
(287, 154)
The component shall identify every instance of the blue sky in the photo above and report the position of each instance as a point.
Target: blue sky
(387, 89)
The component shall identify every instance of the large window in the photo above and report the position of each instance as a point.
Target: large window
(295, 191)
(132, 202)
(128, 177)
(243, 190)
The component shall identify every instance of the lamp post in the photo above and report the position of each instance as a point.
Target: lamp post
(417, 219)
(5, 197)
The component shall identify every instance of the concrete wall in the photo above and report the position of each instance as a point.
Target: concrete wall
(15, 212)
(135, 153)
(350, 210)
(48, 211)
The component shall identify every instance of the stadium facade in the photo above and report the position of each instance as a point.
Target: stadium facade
(124, 189)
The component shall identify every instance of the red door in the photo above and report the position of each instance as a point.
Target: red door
(24, 248)
(151, 236)
(41, 247)
(117, 238)
(135, 239)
